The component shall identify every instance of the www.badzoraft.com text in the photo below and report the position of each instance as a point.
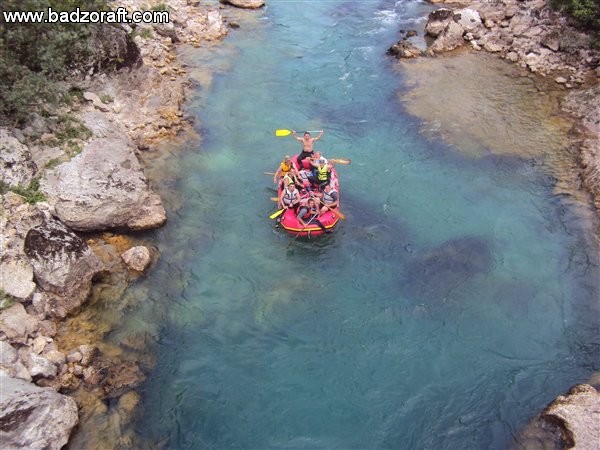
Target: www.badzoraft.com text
(120, 15)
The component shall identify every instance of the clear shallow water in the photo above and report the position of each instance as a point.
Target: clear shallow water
(455, 302)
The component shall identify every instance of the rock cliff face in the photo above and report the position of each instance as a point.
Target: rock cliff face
(130, 97)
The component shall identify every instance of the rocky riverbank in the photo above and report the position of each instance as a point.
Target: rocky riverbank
(540, 40)
(72, 178)
(557, 58)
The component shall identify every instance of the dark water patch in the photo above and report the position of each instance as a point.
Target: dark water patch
(436, 273)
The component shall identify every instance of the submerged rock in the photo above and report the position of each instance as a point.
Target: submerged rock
(34, 418)
(442, 269)
(247, 4)
(137, 258)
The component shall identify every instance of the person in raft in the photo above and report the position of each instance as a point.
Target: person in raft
(286, 167)
(329, 199)
(323, 173)
(309, 213)
(290, 197)
(307, 145)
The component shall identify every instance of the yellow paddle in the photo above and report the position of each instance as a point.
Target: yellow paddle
(338, 213)
(281, 133)
(344, 161)
(277, 213)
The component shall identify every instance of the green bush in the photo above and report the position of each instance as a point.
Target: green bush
(34, 57)
(585, 12)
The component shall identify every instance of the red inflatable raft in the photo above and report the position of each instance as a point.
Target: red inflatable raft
(290, 223)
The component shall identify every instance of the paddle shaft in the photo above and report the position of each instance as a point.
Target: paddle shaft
(303, 229)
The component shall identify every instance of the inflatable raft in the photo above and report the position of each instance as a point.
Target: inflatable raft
(290, 223)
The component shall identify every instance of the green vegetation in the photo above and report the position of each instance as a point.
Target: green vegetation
(31, 193)
(35, 58)
(5, 300)
(585, 12)
(71, 128)
(159, 7)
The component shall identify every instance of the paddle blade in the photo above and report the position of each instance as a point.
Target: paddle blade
(282, 132)
(276, 214)
(344, 161)
(339, 214)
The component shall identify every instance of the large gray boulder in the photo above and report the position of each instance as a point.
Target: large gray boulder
(34, 418)
(63, 264)
(104, 187)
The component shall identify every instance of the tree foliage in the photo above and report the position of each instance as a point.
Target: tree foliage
(35, 57)
(585, 12)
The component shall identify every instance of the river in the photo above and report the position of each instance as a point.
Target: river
(459, 297)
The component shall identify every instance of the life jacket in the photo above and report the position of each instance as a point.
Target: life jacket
(328, 198)
(286, 167)
(288, 177)
(322, 173)
(290, 197)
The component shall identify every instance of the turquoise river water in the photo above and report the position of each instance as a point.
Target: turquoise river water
(459, 297)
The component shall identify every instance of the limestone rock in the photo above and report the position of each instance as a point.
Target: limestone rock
(34, 418)
(137, 258)
(449, 39)
(16, 278)
(37, 365)
(88, 354)
(579, 414)
(437, 21)
(17, 324)
(468, 18)
(98, 104)
(16, 165)
(104, 187)
(404, 49)
(248, 4)
(63, 265)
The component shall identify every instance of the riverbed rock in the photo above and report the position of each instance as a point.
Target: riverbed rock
(104, 187)
(137, 258)
(437, 272)
(578, 412)
(449, 39)
(10, 364)
(34, 418)
(404, 49)
(37, 365)
(246, 4)
(16, 165)
(63, 264)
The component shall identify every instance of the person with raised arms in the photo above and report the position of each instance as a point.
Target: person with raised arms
(307, 145)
